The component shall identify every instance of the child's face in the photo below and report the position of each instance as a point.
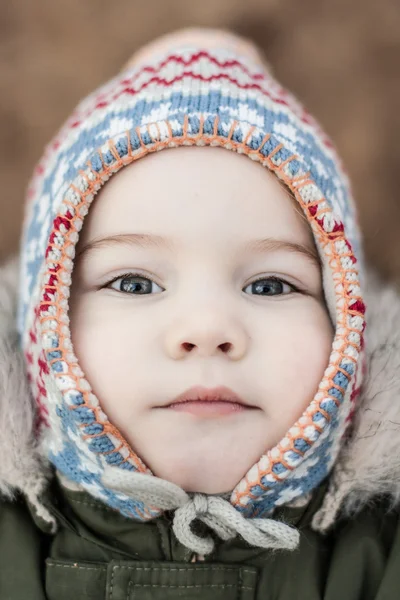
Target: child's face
(190, 315)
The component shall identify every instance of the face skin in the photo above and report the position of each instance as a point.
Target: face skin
(195, 315)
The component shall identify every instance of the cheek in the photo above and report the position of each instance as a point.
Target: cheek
(301, 342)
(108, 353)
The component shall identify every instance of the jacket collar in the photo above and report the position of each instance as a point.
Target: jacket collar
(96, 522)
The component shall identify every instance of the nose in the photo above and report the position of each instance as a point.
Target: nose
(206, 334)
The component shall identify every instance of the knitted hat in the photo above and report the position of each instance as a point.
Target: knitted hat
(188, 94)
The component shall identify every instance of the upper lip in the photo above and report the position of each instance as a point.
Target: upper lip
(220, 393)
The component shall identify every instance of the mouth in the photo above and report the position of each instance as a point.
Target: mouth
(209, 402)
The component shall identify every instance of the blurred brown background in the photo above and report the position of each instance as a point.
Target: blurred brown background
(341, 59)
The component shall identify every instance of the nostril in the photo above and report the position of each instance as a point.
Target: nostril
(226, 347)
(187, 345)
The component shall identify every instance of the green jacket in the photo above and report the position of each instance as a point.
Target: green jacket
(349, 531)
(99, 554)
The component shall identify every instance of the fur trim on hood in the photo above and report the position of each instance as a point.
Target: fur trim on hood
(368, 465)
(21, 467)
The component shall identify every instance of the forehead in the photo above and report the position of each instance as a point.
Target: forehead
(192, 192)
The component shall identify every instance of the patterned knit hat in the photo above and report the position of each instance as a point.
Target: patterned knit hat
(189, 94)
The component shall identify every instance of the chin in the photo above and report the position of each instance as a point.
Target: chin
(208, 464)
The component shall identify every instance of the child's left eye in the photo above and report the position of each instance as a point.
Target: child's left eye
(272, 286)
(136, 284)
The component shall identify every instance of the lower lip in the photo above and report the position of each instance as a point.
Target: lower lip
(207, 408)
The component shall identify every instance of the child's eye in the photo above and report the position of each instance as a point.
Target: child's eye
(132, 284)
(271, 286)
(136, 284)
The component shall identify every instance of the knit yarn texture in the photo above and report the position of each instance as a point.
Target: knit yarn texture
(188, 96)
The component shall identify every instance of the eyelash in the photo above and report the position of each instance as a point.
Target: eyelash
(295, 289)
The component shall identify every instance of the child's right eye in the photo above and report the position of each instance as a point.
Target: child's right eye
(132, 283)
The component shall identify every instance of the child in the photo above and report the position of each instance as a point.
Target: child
(208, 420)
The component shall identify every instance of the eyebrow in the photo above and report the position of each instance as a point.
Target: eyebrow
(145, 240)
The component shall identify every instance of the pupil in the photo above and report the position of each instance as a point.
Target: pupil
(129, 284)
(274, 287)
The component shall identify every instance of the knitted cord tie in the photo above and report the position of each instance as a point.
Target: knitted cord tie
(227, 522)
(214, 511)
